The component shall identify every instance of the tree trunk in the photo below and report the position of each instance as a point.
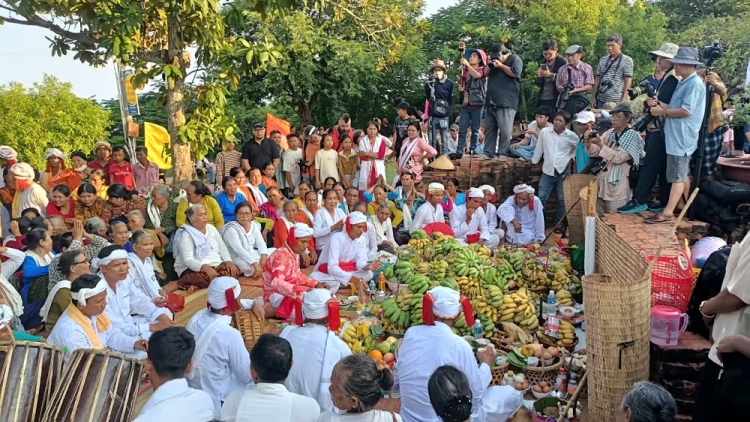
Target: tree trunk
(305, 115)
(182, 165)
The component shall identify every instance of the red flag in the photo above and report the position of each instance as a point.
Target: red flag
(275, 123)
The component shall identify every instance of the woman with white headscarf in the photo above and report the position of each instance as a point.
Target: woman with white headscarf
(28, 193)
(56, 174)
(523, 216)
(7, 159)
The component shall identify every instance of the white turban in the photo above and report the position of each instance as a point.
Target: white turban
(435, 188)
(475, 193)
(315, 303)
(500, 403)
(523, 188)
(22, 171)
(487, 187)
(97, 263)
(357, 218)
(302, 230)
(84, 294)
(219, 290)
(447, 302)
(8, 153)
(6, 315)
(54, 152)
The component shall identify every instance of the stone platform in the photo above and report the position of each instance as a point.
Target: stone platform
(640, 235)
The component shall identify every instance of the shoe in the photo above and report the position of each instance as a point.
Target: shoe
(659, 218)
(632, 207)
(656, 208)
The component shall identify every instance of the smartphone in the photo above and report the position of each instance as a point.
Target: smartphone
(543, 66)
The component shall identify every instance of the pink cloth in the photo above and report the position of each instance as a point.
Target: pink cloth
(419, 152)
(282, 275)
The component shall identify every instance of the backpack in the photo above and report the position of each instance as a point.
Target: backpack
(476, 90)
(707, 286)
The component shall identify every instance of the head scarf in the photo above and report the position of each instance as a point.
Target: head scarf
(475, 193)
(54, 152)
(24, 175)
(298, 231)
(445, 303)
(487, 187)
(97, 263)
(8, 153)
(435, 188)
(523, 188)
(84, 294)
(223, 292)
(104, 144)
(355, 217)
(319, 304)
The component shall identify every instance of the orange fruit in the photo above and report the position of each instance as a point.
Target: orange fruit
(376, 355)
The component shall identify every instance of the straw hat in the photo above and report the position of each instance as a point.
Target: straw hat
(442, 163)
(438, 64)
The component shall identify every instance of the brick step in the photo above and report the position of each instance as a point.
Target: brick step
(684, 418)
(681, 388)
(681, 371)
(691, 348)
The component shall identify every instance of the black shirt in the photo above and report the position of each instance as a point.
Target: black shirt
(386, 131)
(260, 154)
(502, 89)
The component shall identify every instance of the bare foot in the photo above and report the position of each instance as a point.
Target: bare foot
(170, 287)
(191, 289)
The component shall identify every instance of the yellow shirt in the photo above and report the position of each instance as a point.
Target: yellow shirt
(213, 211)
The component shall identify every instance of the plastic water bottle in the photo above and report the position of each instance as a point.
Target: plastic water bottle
(560, 384)
(551, 303)
(367, 312)
(396, 389)
(572, 385)
(478, 330)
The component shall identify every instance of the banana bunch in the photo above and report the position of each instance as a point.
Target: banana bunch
(391, 327)
(444, 245)
(388, 272)
(469, 263)
(482, 307)
(566, 335)
(418, 243)
(418, 283)
(396, 313)
(575, 284)
(518, 308)
(492, 277)
(481, 250)
(450, 283)
(416, 309)
(460, 327)
(439, 269)
(419, 234)
(494, 296)
(564, 298)
(534, 277)
(423, 268)
(469, 286)
(488, 325)
(352, 340)
(517, 260)
(403, 269)
(561, 281)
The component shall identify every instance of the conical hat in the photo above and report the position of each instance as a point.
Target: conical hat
(442, 163)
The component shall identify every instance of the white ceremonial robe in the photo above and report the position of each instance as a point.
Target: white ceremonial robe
(373, 415)
(478, 224)
(316, 351)
(370, 239)
(185, 258)
(225, 367)
(342, 249)
(532, 222)
(175, 401)
(269, 402)
(418, 358)
(365, 166)
(131, 311)
(141, 273)
(69, 336)
(492, 222)
(247, 247)
(322, 226)
(427, 214)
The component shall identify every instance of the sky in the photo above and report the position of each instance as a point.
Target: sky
(26, 57)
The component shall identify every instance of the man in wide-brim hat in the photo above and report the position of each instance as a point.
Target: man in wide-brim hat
(439, 92)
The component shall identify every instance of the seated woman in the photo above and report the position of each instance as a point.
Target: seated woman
(141, 267)
(357, 383)
(8, 293)
(453, 197)
(161, 214)
(71, 265)
(310, 208)
(255, 185)
(229, 198)
(28, 193)
(268, 171)
(381, 223)
(119, 235)
(302, 189)
(328, 220)
(406, 189)
(240, 179)
(245, 242)
(281, 229)
(137, 221)
(379, 198)
(414, 150)
(274, 207)
(121, 201)
(647, 402)
(340, 191)
(39, 254)
(328, 183)
(88, 204)
(198, 194)
(351, 197)
(62, 204)
(200, 253)
(96, 178)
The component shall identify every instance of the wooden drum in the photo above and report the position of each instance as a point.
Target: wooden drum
(97, 386)
(29, 374)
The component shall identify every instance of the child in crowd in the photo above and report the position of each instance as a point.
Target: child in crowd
(121, 171)
(326, 161)
(348, 163)
(290, 164)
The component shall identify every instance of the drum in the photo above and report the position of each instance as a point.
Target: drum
(97, 386)
(29, 373)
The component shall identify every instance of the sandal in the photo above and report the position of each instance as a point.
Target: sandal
(659, 218)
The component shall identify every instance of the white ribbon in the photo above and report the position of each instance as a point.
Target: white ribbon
(97, 263)
(84, 294)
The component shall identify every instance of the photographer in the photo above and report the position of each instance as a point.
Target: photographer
(715, 132)
(473, 86)
(620, 149)
(574, 80)
(546, 74)
(655, 163)
(614, 75)
(503, 88)
(439, 91)
(683, 118)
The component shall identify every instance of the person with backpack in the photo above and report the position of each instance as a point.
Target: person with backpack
(473, 85)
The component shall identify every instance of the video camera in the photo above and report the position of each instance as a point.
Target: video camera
(712, 52)
(645, 87)
(302, 165)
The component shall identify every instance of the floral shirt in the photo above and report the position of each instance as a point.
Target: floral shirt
(83, 212)
(110, 211)
(282, 275)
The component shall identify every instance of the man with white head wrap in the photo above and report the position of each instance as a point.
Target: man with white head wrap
(84, 326)
(8, 158)
(418, 356)
(469, 222)
(499, 404)
(28, 193)
(490, 210)
(316, 349)
(221, 363)
(344, 260)
(523, 215)
(432, 210)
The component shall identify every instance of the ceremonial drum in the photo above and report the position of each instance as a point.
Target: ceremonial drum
(97, 386)
(29, 373)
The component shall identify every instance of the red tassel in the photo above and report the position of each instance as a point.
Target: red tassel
(298, 311)
(348, 224)
(428, 316)
(531, 202)
(468, 312)
(334, 315)
(365, 230)
(292, 240)
(231, 300)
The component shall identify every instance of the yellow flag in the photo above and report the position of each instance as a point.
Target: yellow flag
(157, 143)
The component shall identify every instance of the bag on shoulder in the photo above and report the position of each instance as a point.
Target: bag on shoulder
(441, 109)
(476, 91)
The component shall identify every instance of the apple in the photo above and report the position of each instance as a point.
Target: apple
(389, 358)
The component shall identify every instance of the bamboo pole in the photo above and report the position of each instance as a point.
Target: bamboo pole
(573, 398)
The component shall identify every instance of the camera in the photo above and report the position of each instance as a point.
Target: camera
(302, 165)
(712, 52)
(461, 47)
(566, 91)
(644, 88)
(605, 85)
(593, 134)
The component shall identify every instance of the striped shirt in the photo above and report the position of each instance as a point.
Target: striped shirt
(225, 161)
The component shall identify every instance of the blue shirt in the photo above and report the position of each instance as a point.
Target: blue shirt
(681, 135)
(227, 206)
(31, 271)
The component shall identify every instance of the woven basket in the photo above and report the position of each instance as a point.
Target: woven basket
(618, 321)
(537, 374)
(498, 371)
(572, 187)
(250, 327)
(570, 346)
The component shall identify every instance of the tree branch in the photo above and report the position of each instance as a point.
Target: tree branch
(34, 20)
(155, 56)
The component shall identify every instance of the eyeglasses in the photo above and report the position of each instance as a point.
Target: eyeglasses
(85, 261)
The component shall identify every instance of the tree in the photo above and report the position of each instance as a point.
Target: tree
(151, 108)
(684, 13)
(48, 115)
(330, 54)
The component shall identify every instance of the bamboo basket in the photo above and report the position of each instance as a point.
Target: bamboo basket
(617, 337)
(498, 371)
(29, 374)
(572, 187)
(250, 327)
(537, 374)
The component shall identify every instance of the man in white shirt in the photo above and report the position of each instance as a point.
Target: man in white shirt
(469, 222)
(490, 211)
(170, 353)
(557, 145)
(432, 210)
(128, 307)
(523, 215)
(344, 260)
(270, 363)
(418, 357)
(221, 363)
(451, 144)
(317, 349)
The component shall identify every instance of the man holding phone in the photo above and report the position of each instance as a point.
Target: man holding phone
(546, 74)
(503, 74)
(474, 90)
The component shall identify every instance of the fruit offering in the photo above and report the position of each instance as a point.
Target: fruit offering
(564, 298)
(566, 336)
(517, 307)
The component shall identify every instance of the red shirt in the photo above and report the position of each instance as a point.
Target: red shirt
(94, 165)
(123, 174)
(53, 210)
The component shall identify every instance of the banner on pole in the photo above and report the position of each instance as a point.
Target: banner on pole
(275, 123)
(157, 142)
(130, 96)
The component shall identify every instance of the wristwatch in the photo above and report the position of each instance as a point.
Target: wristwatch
(700, 309)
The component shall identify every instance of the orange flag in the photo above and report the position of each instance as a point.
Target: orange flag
(274, 123)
